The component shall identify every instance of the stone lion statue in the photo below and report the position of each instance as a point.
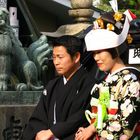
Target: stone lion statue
(17, 71)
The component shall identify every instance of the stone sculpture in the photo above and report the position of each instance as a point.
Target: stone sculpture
(17, 72)
(40, 52)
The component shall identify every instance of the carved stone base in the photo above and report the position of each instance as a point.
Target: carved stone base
(15, 111)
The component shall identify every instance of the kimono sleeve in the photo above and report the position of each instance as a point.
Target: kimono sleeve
(38, 120)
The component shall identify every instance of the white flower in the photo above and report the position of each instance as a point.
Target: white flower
(127, 102)
(134, 77)
(125, 113)
(104, 134)
(115, 117)
(127, 77)
(111, 128)
(130, 108)
(115, 126)
(115, 77)
(123, 106)
(110, 137)
(108, 80)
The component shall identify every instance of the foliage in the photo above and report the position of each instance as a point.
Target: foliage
(133, 5)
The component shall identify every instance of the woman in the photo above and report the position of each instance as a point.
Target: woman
(115, 101)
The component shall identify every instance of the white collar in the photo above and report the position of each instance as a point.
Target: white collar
(109, 75)
(64, 80)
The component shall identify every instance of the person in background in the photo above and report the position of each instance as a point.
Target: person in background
(60, 111)
(115, 101)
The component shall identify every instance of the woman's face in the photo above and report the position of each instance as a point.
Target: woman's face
(104, 60)
(64, 64)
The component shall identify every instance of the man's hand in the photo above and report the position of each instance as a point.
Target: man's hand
(44, 135)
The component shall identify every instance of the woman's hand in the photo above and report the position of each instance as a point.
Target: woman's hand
(85, 133)
(44, 135)
(124, 137)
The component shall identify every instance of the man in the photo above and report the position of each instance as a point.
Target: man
(60, 110)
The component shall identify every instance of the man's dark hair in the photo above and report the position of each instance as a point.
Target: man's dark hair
(71, 43)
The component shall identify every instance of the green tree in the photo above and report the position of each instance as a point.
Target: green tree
(133, 5)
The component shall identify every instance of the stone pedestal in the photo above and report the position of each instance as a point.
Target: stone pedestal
(15, 110)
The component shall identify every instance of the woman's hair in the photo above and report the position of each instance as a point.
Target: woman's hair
(116, 53)
(71, 43)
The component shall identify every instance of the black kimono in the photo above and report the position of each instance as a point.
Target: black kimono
(69, 100)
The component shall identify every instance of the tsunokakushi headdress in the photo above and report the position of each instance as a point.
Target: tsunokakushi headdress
(110, 30)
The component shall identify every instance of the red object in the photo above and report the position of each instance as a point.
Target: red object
(94, 109)
(132, 15)
(97, 137)
(93, 120)
(112, 111)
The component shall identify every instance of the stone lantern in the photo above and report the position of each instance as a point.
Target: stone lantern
(81, 12)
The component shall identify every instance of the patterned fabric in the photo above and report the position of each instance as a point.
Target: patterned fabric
(122, 109)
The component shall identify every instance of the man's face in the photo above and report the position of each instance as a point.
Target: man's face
(64, 64)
